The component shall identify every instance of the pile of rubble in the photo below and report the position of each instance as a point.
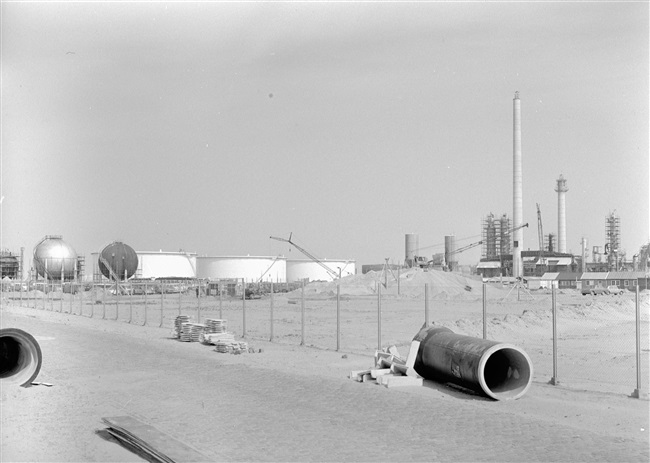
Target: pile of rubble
(391, 370)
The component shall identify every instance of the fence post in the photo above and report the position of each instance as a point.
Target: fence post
(243, 305)
(104, 302)
(62, 282)
(93, 297)
(271, 338)
(398, 281)
(554, 381)
(162, 302)
(426, 304)
(198, 306)
(220, 301)
(198, 309)
(145, 304)
(638, 393)
(302, 314)
(130, 298)
(379, 316)
(338, 312)
(484, 310)
(180, 293)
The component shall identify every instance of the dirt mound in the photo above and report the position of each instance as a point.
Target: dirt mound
(442, 286)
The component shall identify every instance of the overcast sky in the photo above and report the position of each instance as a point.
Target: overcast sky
(209, 127)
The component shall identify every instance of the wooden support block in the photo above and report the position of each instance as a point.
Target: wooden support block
(384, 363)
(412, 373)
(393, 350)
(398, 369)
(376, 373)
(400, 381)
(413, 353)
(367, 378)
(384, 378)
(357, 375)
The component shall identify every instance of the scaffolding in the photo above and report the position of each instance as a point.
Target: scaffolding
(496, 234)
(613, 234)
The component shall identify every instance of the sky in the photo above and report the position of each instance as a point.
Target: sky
(208, 127)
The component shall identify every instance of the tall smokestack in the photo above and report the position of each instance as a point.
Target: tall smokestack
(517, 196)
(561, 213)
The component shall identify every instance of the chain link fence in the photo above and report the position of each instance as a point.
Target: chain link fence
(595, 346)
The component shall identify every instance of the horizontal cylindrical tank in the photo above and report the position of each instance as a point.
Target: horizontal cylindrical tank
(500, 371)
(118, 261)
(251, 268)
(56, 258)
(301, 269)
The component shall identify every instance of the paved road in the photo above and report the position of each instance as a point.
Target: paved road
(236, 408)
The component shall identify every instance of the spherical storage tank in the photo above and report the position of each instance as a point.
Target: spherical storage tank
(120, 258)
(55, 257)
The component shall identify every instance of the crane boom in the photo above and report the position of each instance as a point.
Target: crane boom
(331, 272)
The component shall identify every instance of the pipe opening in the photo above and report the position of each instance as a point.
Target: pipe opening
(20, 357)
(506, 374)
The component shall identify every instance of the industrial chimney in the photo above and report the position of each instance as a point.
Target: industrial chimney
(561, 189)
(517, 196)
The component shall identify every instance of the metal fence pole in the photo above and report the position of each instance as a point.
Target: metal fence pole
(379, 316)
(426, 305)
(180, 294)
(198, 297)
(93, 297)
(220, 301)
(398, 281)
(243, 305)
(338, 313)
(104, 302)
(554, 380)
(302, 314)
(198, 307)
(145, 304)
(130, 301)
(271, 338)
(162, 302)
(484, 311)
(62, 281)
(638, 392)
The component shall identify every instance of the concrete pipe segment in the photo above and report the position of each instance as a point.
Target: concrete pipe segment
(500, 371)
(20, 357)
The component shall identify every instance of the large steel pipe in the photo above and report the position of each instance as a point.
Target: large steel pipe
(499, 370)
(20, 357)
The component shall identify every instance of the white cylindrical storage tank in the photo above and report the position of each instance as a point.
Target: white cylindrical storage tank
(412, 246)
(159, 264)
(301, 269)
(250, 268)
(450, 250)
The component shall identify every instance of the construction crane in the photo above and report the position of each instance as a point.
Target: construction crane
(540, 232)
(330, 272)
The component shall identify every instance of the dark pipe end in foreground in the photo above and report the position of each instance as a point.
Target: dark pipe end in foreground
(20, 357)
(499, 370)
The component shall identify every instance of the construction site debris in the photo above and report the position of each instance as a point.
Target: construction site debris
(391, 370)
